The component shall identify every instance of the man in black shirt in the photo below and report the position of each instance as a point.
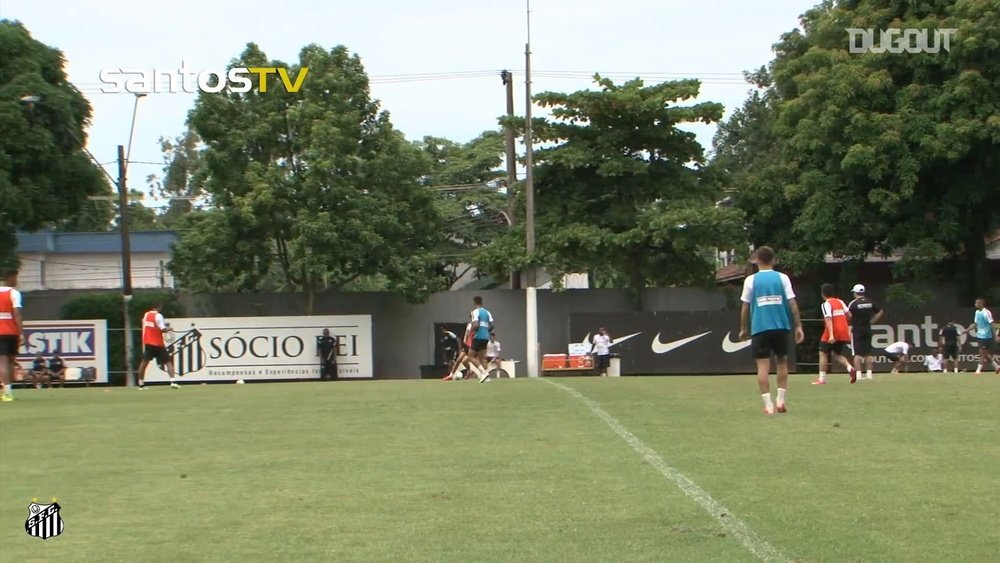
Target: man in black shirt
(948, 340)
(39, 372)
(326, 349)
(449, 346)
(864, 313)
(57, 369)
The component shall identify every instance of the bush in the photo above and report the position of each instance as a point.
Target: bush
(108, 306)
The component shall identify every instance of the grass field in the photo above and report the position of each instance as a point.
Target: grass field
(904, 468)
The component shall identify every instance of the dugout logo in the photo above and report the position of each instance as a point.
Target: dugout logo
(44, 520)
(187, 353)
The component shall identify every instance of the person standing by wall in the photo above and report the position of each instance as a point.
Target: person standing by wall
(948, 342)
(326, 350)
(601, 350)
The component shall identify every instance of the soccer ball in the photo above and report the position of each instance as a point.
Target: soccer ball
(459, 376)
(240, 382)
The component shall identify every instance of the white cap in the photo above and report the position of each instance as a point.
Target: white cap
(858, 288)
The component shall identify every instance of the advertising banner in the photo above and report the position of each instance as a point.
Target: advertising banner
(265, 348)
(81, 344)
(673, 343)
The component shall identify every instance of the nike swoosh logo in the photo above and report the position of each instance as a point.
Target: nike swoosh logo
(586, 339)
(729, 346)
(664, 347)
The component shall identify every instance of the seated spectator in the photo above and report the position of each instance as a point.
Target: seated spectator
(39, 372)
(57, 370)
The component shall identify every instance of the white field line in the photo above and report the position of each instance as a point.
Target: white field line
(733, 525)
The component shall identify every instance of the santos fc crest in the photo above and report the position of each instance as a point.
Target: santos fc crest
(44, 520)
(187, 353)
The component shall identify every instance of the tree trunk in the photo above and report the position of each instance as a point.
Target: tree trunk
(972, 282)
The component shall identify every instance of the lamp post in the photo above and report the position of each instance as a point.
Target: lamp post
(126, 250)
(531, 295)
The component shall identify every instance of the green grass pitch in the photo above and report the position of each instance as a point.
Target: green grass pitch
(905, 468)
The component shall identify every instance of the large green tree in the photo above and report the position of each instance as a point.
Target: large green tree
(313, 189)
(45, 177)
(465, 178)
(621, 192)
(882, 153)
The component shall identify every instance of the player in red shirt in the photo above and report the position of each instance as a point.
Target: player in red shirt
(11, 330)
(836, 335)
(154, 347)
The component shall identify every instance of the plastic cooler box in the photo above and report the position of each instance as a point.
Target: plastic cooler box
(555, 361)
(581, 362)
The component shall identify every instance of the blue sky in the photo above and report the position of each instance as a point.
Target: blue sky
(713, 40)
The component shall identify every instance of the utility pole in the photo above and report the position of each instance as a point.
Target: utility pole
(531, 297)
(508, 80)
(126, 262)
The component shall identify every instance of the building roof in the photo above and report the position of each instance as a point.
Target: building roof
(47, 242)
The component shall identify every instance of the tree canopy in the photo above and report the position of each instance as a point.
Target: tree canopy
(312, 189)
(45, 176)
(621, 190)
(851, 154)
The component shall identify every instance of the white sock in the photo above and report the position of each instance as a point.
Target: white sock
(979, 368)
(956, 370)
(781, 396)
(868, 374)
(171, 381)
(822, 376)
(767, 401)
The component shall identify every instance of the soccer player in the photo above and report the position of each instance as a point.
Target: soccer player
(896, 352)
(864, 313)
(933, 363)
(948, 341)
(602, 349)
(11, 330)
(154, 347)
(482, 324)
(983, 327)
(450, 345)
(836, 335)
(768, 313)
(462, 361)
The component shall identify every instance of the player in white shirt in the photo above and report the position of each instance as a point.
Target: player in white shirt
(896, 352)
(934, 363)
(602, 349)
(493, 351)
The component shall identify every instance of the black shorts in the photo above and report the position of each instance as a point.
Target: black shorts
(893, 357)
(604, 362)
(951, 351)
(8, 345)
(985, 343)
(158, 353)
(479, 345)
(861, 344)
(836, 347)
(769, 342)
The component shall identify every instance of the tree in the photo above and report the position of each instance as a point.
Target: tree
(182, 180)
(621, 193)
(878, 152)
(469, 200)
(312, 189)
(45, 177)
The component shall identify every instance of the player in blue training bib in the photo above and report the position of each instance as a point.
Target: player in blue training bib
(768, 314)
(983, 327)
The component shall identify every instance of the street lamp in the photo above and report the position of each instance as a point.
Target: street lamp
(120, 183)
